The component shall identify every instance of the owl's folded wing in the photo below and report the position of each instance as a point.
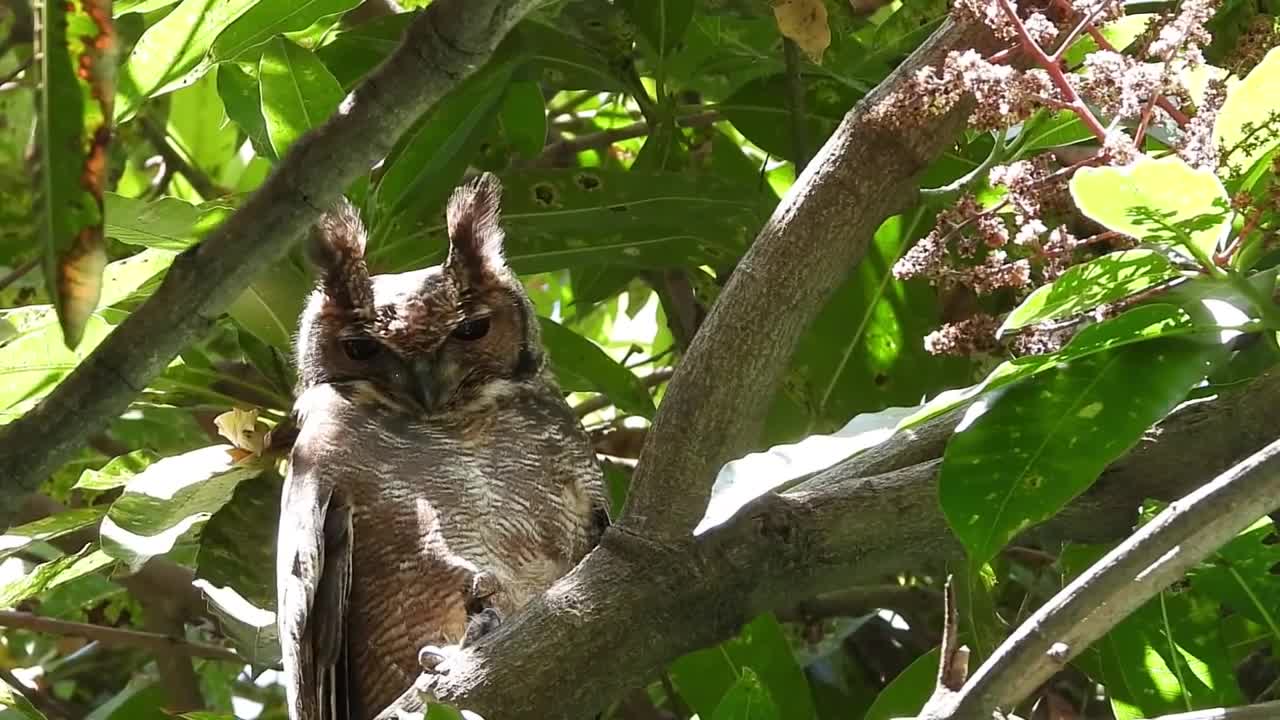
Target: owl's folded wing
(314, 583)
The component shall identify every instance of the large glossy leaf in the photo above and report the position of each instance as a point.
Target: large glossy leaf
(76, 47)
(1083, 287)
(745, 479)
(242, 97)
(270, 306)
(747, 699)
(116, 473)
(566, 61)
(706, 676)
(34, 358)
(863, 352)
(430, 159)
(907, 693)
(1244, 575)
(1246, 112)
(167, 223)
(759, 111)
(580, 365)
(167, 502)
(237, 547)
(198, 124)
(298, 92)
(355, 51)
(47, 528)
(559, 219)
(49, 575)
(1020, 455)
(1162, 200)
(168, 55)
(523, 117)
(265, 20)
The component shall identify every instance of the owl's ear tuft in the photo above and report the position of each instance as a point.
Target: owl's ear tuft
(475, 232)
(336, 249)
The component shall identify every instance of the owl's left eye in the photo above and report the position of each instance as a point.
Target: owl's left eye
(472, 329)
(361, 349)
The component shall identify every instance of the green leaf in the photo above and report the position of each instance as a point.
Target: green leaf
(265, 20)
(907, 693)
(165, 503)
(167, 223)
(1022, 455)
(75, 51)
(47, 528)
(556, 219)
(759, 111)
(168, 55)
(14, 700)
(270, 306)
(353, 52)
(1081, 288)
(523, 118)
(242, 98)
(566, 60)
(748, 699)
(580, 365)
(1163, 200)
(1243, 124)
(142, 699)
(298, 92)
(251, 629)
(33, 357)
(427, 163)
(745, 479)
(1063, 128)
(198, 124)
(705, 677)
(116, 473)
(661, 22)
(49, 575)
(237, 547)
(1244, 575)
(123, 7)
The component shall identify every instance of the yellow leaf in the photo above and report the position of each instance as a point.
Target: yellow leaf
(805, 22)
(242, 429)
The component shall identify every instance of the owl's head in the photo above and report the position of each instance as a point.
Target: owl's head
(430, 340)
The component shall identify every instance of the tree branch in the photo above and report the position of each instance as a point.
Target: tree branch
(116, 637)
(446, 43)
(1147, 562)
(717, 400)
(1261, 711)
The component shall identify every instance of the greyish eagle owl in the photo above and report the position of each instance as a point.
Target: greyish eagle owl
(438, 480)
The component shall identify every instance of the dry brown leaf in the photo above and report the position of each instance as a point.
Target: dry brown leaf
(805, 22)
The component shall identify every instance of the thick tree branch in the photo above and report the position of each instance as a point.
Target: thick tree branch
(719, 396)
(446, 43)
(1147, 562)
(634, 605)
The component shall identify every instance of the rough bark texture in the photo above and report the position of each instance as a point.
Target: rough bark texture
(444, 45)
(719, 396)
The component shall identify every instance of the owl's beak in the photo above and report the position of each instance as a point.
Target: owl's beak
(427, 383)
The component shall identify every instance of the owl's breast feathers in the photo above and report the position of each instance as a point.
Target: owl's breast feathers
(514, 490)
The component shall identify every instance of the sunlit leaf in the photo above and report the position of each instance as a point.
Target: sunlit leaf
(1083, 287)
(745, 479)
(46, 576)
(168, 55)
(242, 98)
(167, 223)
(76, 45)
(1244, 125)
(169, 500)
(805, 22)
(48, 528)
(1021, 455)
(265, 20)
(116, 473)
(1163, 200)
(298, 92)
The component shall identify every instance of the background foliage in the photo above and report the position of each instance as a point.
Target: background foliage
(641, 145)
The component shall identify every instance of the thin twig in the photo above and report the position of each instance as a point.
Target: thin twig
(116, 637)
(795, 104)
(16, 274)
(174, 159)
(1150, 560)
(1261, 711)
(605, 138)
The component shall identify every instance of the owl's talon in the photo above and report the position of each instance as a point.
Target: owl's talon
(433, 658)
(480, 624)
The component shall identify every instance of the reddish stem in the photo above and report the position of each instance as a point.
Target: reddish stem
(1162, 102)
(1054, 69)
(1250, 224)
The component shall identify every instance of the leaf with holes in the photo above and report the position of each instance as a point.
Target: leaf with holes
(75, 47)
(1022, 454)
(298, 92)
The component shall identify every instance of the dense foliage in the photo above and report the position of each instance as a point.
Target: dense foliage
(1098, 248)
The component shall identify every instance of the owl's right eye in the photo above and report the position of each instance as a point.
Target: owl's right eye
(361, 349)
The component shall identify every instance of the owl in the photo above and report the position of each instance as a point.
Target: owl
(438, 480)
